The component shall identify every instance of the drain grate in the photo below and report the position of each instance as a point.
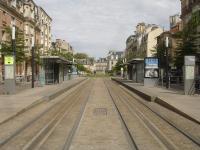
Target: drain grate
(100, 112)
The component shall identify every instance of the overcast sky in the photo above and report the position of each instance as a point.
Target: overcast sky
(96, 26)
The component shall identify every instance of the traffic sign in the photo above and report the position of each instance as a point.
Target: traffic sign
(9, 60)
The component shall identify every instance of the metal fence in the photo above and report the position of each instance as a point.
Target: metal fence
(22, 83)
(177, 82)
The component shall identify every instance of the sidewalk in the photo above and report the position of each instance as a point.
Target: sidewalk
(188, 106)
(11, 105)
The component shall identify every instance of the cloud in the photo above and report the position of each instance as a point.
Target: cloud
(96, 26)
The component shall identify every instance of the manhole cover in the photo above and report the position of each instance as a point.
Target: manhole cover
(100, 111)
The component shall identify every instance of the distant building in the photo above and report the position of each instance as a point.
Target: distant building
(62, 45)
(149, 41)
(112, 59)
(101, 65)
(143, 42)
(175, 23)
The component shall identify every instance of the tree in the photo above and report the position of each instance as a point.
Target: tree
(80, 56)
(189, 43)
(20, 45)
(118, 66)
(61, 53)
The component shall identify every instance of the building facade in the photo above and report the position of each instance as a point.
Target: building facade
(11, 14)
(101, 65)
(187, 8)
(33, 21)
(44, 23)
(112, 59)
(63, 46)
(143, 42)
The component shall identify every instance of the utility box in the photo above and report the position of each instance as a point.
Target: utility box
(189, 75)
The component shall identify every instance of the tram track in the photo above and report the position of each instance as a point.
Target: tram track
(36, 132)
(143, 122)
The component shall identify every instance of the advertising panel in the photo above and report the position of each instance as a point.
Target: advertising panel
(151, 69)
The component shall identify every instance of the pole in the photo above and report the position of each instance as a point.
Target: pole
(33, 63)
(167, 63)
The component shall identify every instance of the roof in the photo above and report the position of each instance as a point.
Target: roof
(135, 60)
(57, 59)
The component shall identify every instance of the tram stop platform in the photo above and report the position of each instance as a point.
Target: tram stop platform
(12, 105)
(175, 100)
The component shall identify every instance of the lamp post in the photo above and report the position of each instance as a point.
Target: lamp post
(167, 62)
(13, 42)
(33, 61)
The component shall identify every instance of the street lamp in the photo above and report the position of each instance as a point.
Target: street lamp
(32, 61)
(13, 41)
(167, 62)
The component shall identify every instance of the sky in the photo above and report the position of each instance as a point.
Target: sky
(97, 26)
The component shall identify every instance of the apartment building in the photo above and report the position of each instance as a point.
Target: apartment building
(143, 42)
(44, 22)
(11, 14)
(31, 19)
(187, 8)
(131, 47)
(112, 59)
(63, 46)
(149, 40)
(101, 65)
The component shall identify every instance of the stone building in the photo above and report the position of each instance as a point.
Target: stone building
(187, 8)
(138, 46)
(149, 41)
(62, 45)
(44, 22)
(33, 21)
(143, 42)
(131, 47)
(11, 14)
(112, 59)
(101, 65)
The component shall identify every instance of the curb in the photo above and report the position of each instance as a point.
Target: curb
(157, 100)
(42, 99)
(174, 109)
(139, 93)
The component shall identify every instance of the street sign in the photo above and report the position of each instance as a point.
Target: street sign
(9, 60)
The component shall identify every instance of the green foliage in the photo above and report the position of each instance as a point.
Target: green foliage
(55, 52)
(118, 65)
(189, 43)
(80, 56)
(81, 67)
(37, 54)
(20, 45)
